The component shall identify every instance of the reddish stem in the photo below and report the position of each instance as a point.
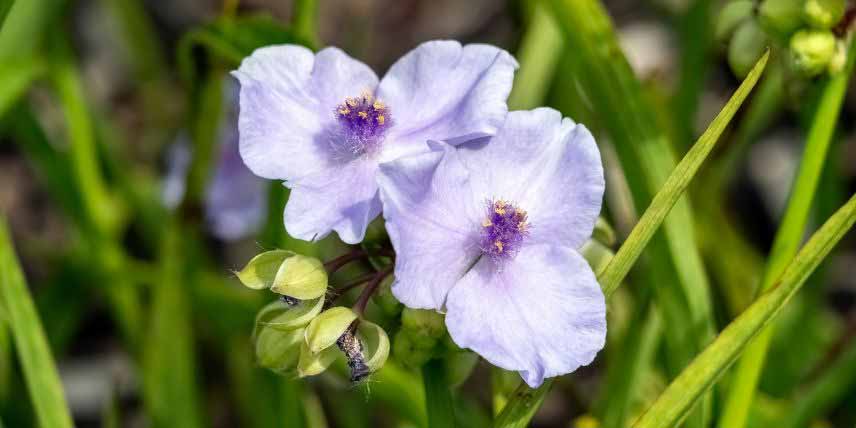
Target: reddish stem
(367, 293)
(338, 262)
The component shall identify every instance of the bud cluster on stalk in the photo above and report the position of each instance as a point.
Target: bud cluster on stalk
(298, 334)
(811, 34)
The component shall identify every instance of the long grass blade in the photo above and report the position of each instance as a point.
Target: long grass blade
(40, 373)
(674, 403)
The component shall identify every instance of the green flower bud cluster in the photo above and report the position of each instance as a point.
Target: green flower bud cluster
(803, 29)
(295, 335)
(423, 337)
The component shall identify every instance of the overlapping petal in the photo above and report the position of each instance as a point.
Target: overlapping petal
(542, 315)
(432, 220)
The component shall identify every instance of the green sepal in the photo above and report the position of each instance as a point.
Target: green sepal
(261, 270)
(284, 317)
(301, 277)
(312, 364)
(375, 344)
(327, 327)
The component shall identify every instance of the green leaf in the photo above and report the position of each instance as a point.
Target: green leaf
(788, 238)
(26, 26)
(5, 5)
(689, 386)
(675, 186)
(538, 56)
(16, 76)
(522, 405)
(35, 357)
(438, 396)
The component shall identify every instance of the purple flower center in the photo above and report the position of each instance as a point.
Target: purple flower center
(363, 121)
(503, 230)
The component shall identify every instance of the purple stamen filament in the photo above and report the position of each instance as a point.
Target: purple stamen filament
(363, 121)
(503, 230)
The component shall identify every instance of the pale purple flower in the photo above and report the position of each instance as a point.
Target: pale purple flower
(323, 122)
(489, 232)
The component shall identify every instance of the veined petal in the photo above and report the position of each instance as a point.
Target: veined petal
(342, 198)
(548, 166)
(542, 314)
(288, 96)
(432, 220)
(444, 91)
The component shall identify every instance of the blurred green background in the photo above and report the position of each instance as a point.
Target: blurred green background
(115, 119)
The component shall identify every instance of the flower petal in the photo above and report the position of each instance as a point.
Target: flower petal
(431, 218)
(549, 167)
(342, 198)
(287, 98)
(444, 91)
(542, 313)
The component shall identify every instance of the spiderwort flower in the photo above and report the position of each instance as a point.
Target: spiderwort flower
(322, 122)
(490, 232)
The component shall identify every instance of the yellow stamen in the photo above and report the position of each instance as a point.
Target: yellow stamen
(498, 244)
(487, 223)
(378, 105)
(367, 96)
(380, 119)
(344, 111)
(363, 114)
(351, 102)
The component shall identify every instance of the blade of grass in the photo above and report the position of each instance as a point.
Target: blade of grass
(538, 55)
(675, 186)
(305, 16)
(5, 6)
(518, 413)
(674, 403)
(16, 76)
(26, 26)
(40, 373)
(790, 233)
(438, 396)
(695, 29)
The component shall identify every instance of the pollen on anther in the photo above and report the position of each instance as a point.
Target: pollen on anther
(363, 114)
(503, 230)
(498, 244)
(487, 223)
(381, 120)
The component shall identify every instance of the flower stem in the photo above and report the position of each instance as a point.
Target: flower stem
(438, 397)
(339, 262)
(363, 300)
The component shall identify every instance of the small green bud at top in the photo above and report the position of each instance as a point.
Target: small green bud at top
(261, 270)
(326, 328)
(781, 17)
(301, 277)
(423, 322)
(839, 60)
(823, 14)
(746, 47)
(731, 15)
(311, 364)
(278, 350)
(375, 344)
(284, 317)
(812, 50)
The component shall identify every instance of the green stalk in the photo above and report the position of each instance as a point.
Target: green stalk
(438, 396)
(675, 402)
(305, 16)
(745, 382)
(538, 55)
(518, 413)
(37, 363)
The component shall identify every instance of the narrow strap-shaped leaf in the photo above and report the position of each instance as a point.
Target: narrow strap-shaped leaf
(37, 363)
(674, 403)
(742, 390)
(523, 405)
(438, 396)
(675, 185)
(539, 53)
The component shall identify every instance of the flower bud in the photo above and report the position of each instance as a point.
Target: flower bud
(278, 350)
(839, 60)
(326, 328)
(746, 47)
(311, 364)
(261, 270)
(301, 277)
(823, 14)
(781, 17)
(423, 322)
(459, 366)
(730, 17)
(411, 352)
(375, 344)
(284, 317)
(811, 51)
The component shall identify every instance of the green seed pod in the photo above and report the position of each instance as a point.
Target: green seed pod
(312, 364)
(823, 14)
(781, 17)
(812, 51)
(282, 316)
(261, 270)
(839, 60)
(375, 344)
(746, 47)
(423, 322)
(326, 328)
(301, 277)
(278, 350)
(730, 17)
